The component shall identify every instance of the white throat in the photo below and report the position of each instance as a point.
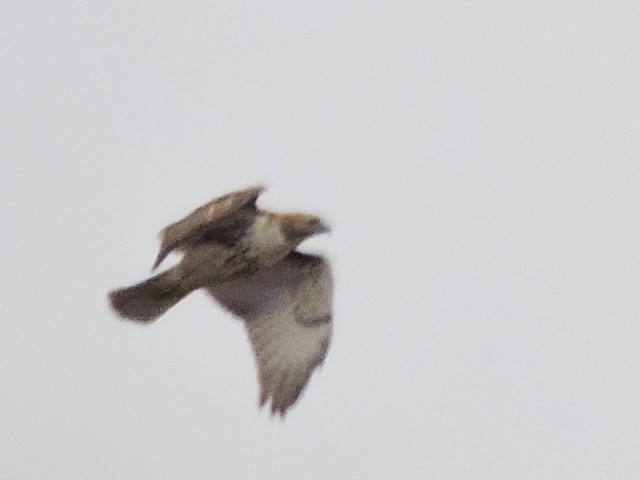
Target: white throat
(265, 240)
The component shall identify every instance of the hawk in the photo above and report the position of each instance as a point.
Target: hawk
(246, 259)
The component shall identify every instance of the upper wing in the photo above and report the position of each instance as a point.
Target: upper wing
(211, 219)
(287, 312)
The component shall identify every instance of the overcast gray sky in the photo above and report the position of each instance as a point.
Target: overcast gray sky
(479, 163)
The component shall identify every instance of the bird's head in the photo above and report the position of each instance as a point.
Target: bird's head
(296, 227)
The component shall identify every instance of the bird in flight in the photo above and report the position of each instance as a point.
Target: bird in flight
(246, 259)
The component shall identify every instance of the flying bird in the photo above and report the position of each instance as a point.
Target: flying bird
(246, 259)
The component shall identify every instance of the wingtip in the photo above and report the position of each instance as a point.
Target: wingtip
(257, 190)
(158, 260)
(279, 411)
(275, 410)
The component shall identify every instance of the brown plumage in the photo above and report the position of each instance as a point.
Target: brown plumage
(246, 259)
(224, 219)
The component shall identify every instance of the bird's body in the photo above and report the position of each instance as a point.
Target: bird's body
(246, 259)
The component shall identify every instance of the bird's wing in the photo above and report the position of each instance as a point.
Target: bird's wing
(287, 312)
(234, 211)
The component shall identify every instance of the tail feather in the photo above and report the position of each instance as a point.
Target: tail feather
(150, 299)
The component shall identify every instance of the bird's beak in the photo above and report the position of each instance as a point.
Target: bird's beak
(324, 228)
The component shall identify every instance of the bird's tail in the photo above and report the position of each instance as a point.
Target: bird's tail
(150, 299)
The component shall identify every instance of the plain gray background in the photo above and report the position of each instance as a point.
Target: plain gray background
(479, 163)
